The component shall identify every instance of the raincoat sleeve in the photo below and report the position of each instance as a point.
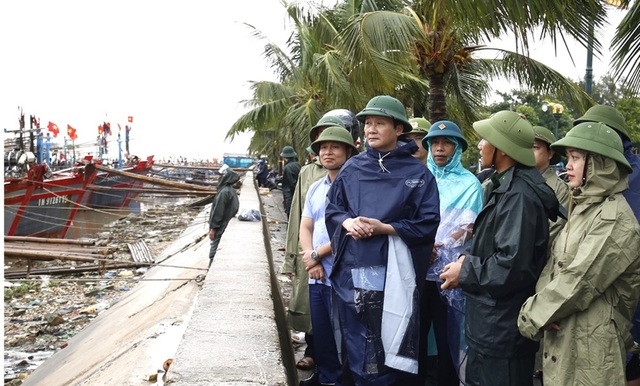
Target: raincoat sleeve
(603, 255)
(424, 224)
(507, 270)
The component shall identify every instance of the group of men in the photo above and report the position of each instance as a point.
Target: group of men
(388, 242)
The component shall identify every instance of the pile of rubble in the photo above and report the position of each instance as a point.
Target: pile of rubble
(42, 312)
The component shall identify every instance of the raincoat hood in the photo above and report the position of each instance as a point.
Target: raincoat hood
(228, 179)
(454, 163)
(604, 178)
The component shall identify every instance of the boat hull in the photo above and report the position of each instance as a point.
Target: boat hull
(44, 208)
(103, 198)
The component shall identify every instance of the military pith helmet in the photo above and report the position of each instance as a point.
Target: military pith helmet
(288, 152)
(594, 137)
(445, 129)
(419, 126)
(509, 132)
(324, 121)
(545, 135)
(334, 134)
(608, 115)
(386, 106)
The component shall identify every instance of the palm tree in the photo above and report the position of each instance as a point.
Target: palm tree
(626, 45)
(313, 77)
(311, 81)
(437, 44)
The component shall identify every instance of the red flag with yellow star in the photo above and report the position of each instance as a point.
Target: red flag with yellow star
(53, 128)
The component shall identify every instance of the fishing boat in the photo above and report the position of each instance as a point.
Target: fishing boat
(42, 203)
(114, 191)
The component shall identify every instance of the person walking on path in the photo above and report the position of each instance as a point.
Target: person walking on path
(460, 202)
(289, 176)
(611, 117)
(298, 315)
(382, 217)
(588, 291)
(500, 268)
(225, 205)
(334, 146)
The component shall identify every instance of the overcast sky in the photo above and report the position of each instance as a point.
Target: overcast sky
(180, 68)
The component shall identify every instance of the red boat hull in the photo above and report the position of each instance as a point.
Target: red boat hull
(39, 207)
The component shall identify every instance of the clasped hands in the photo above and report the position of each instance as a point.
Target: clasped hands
(361, 227)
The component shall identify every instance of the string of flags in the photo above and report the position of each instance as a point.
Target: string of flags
(103, 129)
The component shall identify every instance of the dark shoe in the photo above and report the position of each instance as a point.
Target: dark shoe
(313, 380)
(306, 363)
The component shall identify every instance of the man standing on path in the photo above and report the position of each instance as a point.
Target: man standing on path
(382, 217)
(334, 147)
(460, 202)
(225, 206)
(289, 176)
(499, 270)
(298, 316)
(545, 157)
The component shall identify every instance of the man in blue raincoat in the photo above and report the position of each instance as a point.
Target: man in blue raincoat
(382, 215)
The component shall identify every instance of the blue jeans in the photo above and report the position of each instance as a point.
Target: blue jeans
(324, 344)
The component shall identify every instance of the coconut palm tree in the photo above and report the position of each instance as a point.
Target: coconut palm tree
(313, 77)
(626, 46)
(443, 43)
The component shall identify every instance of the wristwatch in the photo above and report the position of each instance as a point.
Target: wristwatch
(314, 255)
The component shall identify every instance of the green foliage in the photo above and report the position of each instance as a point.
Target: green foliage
(20, 290)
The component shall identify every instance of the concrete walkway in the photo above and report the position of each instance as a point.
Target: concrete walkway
(227, 330)
(234, 335)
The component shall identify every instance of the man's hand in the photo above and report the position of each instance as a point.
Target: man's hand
(553, 326)
(451, 273)
(316, 272)
(434, 251)
(212, 234)
(308, 261)
(359, 227)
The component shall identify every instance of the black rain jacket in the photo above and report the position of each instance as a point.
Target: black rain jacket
(505, 259)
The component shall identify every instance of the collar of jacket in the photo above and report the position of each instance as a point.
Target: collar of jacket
(501, 181)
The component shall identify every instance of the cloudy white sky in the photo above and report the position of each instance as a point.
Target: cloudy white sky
(179, 68)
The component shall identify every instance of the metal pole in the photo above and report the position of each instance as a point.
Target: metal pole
(588, 76)
(557, 122)
(119, 152)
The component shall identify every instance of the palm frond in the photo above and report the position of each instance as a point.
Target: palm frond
(535, 75)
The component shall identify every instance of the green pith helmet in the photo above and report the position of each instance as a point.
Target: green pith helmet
(386, 106)
(509, 132)
(419, 126)
(608, 115)
(545, 135)
(324, 121)
(288, 152)
(445, 129)
(310, 150)
(594, 137)
(334, 134)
